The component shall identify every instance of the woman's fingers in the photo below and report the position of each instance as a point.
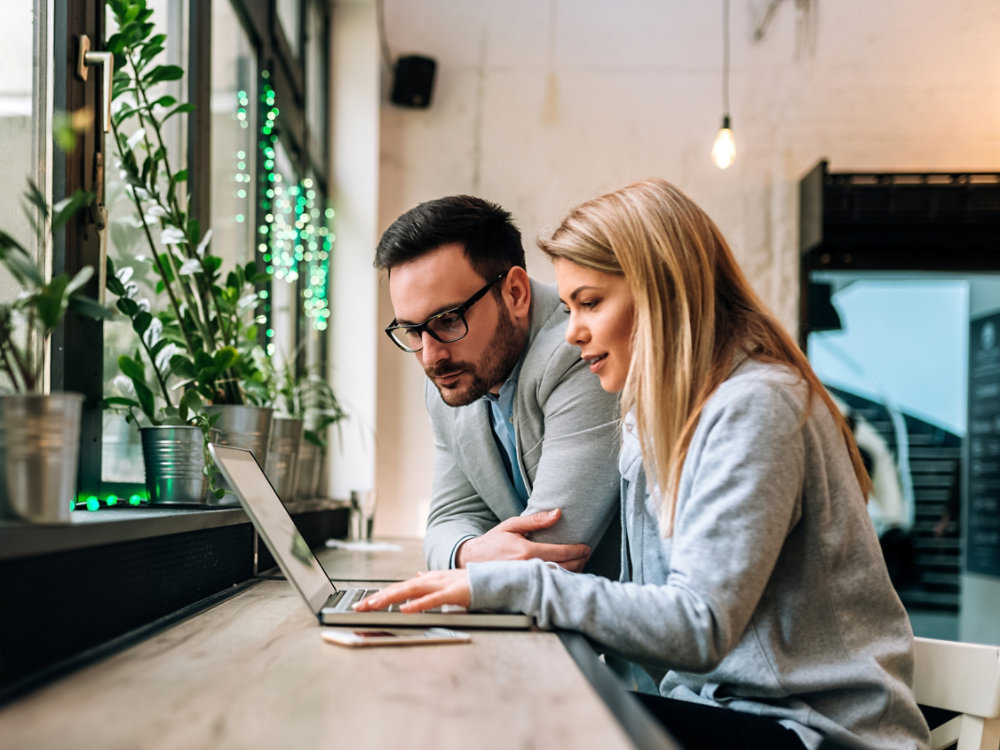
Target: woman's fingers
(429, 601)
(427, 591)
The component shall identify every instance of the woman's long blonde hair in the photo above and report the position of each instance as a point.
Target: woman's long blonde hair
(695, 312)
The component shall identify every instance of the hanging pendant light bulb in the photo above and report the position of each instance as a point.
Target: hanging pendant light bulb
(724, 147)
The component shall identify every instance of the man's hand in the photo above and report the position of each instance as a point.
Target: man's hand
(508, 541)
(426, 591)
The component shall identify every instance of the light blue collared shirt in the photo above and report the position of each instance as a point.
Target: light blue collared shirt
(502, 421)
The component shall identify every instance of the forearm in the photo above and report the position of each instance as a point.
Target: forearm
(627, 618)
(457, 512)
(444, 536)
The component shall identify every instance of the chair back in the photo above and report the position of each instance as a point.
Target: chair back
(962, 677)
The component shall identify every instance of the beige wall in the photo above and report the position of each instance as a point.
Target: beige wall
(540, 104)
(354, 98)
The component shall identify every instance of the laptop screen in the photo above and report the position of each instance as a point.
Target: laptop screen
(273, 523)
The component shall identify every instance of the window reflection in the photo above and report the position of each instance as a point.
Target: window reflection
(316, 79)
(24, 124)
(289, 16)
(234, 148)
(896, 356)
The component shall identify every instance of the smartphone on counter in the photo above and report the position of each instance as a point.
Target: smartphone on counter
(356, 637)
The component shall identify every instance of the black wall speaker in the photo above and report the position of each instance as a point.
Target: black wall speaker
(414, 81)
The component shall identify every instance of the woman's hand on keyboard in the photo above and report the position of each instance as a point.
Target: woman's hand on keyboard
(427, 591)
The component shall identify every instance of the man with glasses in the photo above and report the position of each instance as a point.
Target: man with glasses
(526, 440)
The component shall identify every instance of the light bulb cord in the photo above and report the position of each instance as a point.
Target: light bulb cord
(725, 60)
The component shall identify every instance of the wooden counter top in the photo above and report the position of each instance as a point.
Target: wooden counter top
(253, 671)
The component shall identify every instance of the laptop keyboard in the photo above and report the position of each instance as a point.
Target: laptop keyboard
(342, 599)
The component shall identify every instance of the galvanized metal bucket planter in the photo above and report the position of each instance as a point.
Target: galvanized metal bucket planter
(282, 455)
(175, 464)
(39, 455)
(246, 427)
(307, 472)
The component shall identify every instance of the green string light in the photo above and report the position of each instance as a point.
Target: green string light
(241, 176)
(95, 501)
(265, 145)
(295, 236)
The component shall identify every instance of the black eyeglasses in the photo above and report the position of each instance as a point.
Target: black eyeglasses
(446, 327)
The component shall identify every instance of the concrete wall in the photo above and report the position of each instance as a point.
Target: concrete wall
(542, 103)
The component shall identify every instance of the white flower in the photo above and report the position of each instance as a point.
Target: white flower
(247, 301)
(172, 236)
(191, 266)
(163, 358)
(124, 386)
(124, 273)
(155, 213)
(140, 193)
(135, 138)
(203, 245)
(153, 333)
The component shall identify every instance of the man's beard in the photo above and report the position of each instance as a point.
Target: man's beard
(506, 348)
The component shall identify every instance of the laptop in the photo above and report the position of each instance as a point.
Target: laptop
(332, 606)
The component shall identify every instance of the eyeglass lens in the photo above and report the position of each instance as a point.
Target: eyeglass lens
(446, 327)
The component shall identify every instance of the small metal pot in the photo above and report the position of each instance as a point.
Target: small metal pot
(39, 455)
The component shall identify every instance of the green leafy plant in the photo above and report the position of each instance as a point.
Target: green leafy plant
(320, 408)
(210, 316)
(151, 403)
(152, 395)
(299, 394)
(28, 321)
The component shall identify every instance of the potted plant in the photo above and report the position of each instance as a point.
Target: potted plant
(39, 432)
(174, 429)
(276, 388)
(208, 320)
(320, 409)
(305, 406)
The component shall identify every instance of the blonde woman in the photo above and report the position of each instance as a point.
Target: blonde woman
(754, 592)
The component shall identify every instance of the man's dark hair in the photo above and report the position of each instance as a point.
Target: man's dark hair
(487, 232)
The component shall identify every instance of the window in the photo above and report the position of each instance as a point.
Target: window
(317, 82)
(900, 305)
(121, 564)
(24, 123)
(283, 249)
(121, 451)
(263, 132)
(290, 17)
(234, 137)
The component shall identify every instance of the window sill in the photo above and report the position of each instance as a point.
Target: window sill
(125, 569)
(20, 539)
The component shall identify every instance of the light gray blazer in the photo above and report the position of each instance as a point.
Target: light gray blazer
(567, 452)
